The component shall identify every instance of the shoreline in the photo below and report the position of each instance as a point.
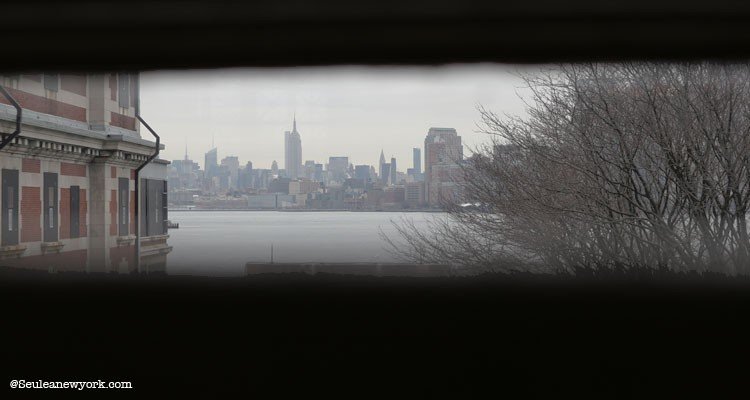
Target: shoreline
(374, 269)
(306, 210)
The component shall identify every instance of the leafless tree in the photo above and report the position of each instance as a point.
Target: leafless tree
(615, 165)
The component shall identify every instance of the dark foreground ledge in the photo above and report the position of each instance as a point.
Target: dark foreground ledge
(199, 34)
(343, 336)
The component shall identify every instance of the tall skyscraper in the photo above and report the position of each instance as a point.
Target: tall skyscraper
(386, 168)
(246, 176)
(381, 172)
(392, 178)
(293, 152)
(210, 169)
(442, 153)
(417, 160)
(212, 160)
(232, 164)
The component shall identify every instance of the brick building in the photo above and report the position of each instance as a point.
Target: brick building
(68, 180)
(414, 194)
(443, 153)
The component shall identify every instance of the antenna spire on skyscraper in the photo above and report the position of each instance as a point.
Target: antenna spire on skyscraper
(294, 127)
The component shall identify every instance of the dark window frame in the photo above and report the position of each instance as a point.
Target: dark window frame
(51, 82)
(75, 211)
(51, 199)
(153, 207)
(123, 209)
(123, 90)
(10, 207)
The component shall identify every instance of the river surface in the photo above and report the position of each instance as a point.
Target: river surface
(219, 243)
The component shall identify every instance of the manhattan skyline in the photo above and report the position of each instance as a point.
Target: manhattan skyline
(340, 111)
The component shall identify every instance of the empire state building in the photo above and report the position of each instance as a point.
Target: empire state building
(292, 152)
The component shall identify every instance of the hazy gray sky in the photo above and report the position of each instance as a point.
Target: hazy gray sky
(341, 111)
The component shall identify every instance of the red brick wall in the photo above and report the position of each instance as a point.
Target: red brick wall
(74, 260)
(113, 172)
(73, 83)
(83, 208)
(31, 165)
(132, 174)
(113, 214)
(116, 254)
(31, 214)
(122, 121)
(72, 169)
(46, 106)
(64, 213)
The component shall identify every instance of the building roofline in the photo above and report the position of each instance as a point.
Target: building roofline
(51, 122)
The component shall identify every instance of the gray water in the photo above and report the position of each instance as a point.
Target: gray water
(219, 243)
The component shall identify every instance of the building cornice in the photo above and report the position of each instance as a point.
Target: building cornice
(43, 124)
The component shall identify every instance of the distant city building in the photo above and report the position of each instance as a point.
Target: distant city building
(443, 152)
(261, 178)
(393, 175)
(355, 183)
(279, 185)
(417, 158)
(221, 180)
(184, 174)
(308, 171)
(210, 169)
(232, 164)
(337, 169)
(292, 152)
(393, 197)
(319, 173)
(275, 168)
(412, 176)
(303, 186)
(246, 177)
(271, 201)
(414, 194)
(382, 175)
(385, 173)
(362, 172)
(212, 160)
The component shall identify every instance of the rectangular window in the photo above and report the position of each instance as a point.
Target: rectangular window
(51, 82)
(154, 208)
(153, 205)
(9, 215)
(123, 201)
(10, 195)
(133, 90)
(144, 209)
(75, 203)
(12, 80)
(164, 203)
(123, 90)
(50, 206)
